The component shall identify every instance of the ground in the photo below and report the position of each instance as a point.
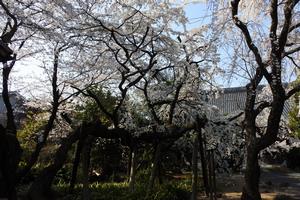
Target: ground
(277, 183)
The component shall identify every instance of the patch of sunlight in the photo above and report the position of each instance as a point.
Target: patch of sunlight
(237, 195)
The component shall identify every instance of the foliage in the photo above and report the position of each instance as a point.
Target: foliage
(29, 134)
(64, 174)
(107, 158)
(89, 110)
(294, 120)
(172, 190)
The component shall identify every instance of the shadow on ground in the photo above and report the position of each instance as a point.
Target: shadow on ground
(277, 183)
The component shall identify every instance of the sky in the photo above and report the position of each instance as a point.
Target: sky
(198, 14)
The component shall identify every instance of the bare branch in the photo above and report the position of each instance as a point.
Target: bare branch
(288, 9)
(296, 49)
(173, 104)
(293, 91)
(249, 41)
(261, 107)
(6, 37)
(294, 27)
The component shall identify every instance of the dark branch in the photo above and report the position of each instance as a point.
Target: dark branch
(6, 37)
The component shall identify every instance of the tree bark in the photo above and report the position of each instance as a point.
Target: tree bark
(10, 152)
(278, 39)
(133, 169)
(203, 163)
(252, 174)
(129, 163)
(195, 168)
(10, 121)
(86, 151)
(154, 169)
(76, 164)
(10, 148)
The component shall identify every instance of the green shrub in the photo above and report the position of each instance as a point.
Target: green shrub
(172, 190)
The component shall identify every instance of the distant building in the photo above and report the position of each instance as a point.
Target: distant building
(17, 102)
(232, 100)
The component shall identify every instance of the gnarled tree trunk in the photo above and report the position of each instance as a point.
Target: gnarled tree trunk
(154, 169)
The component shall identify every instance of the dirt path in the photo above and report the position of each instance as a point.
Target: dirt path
(276, 184)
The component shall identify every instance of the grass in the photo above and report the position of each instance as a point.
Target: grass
(170, 190)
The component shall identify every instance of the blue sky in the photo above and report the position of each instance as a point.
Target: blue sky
(196, 13)
(199, 14)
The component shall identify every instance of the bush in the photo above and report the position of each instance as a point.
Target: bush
(173, 190)
(293, 158)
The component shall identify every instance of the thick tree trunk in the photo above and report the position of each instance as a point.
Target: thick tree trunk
(10, 121)
(195, 168)
(252, 174)
(10, 152)
(203, 162)
(278, 41)
(133, 169)
(154, 169)
(76, 164)
(129, 163)
(10, 148)
(160, 174)
(86, 151)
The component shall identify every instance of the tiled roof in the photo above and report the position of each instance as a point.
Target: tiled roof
(232, 100)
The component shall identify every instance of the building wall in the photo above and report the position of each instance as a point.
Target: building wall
(17, 102)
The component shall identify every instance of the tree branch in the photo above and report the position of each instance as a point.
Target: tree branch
(242, 26)
(274, 24)
(6, 37)
(294, 27)
(288, 9)
(296, 49)
(261, 107)
(293, 91)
